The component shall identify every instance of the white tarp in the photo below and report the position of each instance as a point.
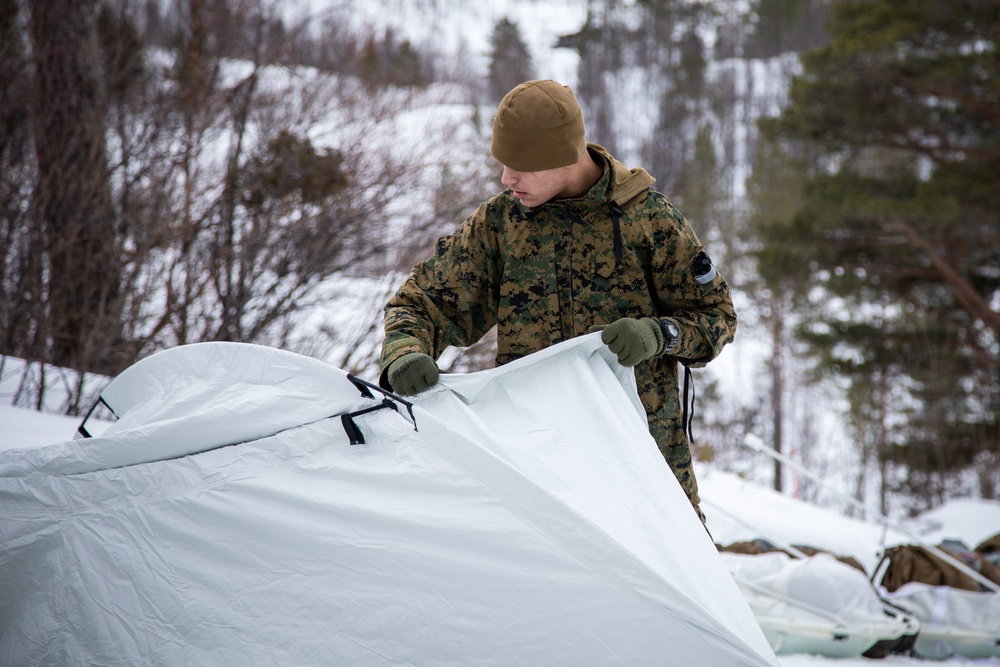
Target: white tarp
(524, 516)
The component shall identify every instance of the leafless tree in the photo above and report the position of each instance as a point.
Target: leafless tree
(209, 191)
(72, 195)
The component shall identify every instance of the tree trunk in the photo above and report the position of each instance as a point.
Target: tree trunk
(73, 197)
(777, 387)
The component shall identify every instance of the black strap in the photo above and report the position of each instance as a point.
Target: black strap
(82, 428)
(353, 432)
(687, 409)
(389, 400)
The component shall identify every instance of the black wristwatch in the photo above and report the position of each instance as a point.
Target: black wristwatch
(670, 334)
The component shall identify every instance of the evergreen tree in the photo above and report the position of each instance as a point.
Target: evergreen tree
(897, 127)
(774, 193)
(637, 56)
(510, 61)
(787, 25)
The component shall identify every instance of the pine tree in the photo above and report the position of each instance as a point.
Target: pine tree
(899, 121)
(510, 61)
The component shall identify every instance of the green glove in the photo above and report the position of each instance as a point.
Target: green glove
(412, 373)
(633, 340)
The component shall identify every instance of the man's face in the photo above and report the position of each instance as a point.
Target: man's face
(534, 188)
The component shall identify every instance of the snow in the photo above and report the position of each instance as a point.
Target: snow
(27, 428)
(459, 29)
(741, 510)
(737, 510)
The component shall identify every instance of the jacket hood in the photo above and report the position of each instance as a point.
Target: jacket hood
(627, 183)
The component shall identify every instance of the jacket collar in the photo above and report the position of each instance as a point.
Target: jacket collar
(617, 185)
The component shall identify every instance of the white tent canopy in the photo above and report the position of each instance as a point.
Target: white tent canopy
(516, 516)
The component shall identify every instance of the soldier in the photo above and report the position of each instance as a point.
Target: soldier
(575, 243)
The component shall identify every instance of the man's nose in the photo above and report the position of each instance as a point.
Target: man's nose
(509, 176)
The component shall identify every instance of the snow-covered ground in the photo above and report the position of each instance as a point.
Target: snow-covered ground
(737, 509)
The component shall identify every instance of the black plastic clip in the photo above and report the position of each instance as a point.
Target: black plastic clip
(390, 400)
(82, 428)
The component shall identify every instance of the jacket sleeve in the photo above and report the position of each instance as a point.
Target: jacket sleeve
(690, 291)
(449, 299)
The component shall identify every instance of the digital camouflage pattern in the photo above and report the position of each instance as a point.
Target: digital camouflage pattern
(548, 274)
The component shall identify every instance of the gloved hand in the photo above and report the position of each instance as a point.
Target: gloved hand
(412, 373)
(633, 340)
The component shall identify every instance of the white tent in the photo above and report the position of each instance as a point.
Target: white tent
(516, 516)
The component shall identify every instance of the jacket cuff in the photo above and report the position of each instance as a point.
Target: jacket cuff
(394, 347)
(670, 336)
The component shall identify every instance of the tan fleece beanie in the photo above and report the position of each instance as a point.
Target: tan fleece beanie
(538, 125)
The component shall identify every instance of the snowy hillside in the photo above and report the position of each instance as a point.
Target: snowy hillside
(461, 29)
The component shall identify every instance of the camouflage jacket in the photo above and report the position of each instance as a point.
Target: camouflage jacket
(547, 274)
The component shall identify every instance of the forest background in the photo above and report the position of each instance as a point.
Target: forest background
(265, 172)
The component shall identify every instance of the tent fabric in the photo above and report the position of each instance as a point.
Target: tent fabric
(521, 515)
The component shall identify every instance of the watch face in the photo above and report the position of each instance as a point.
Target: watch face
(670, 332)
